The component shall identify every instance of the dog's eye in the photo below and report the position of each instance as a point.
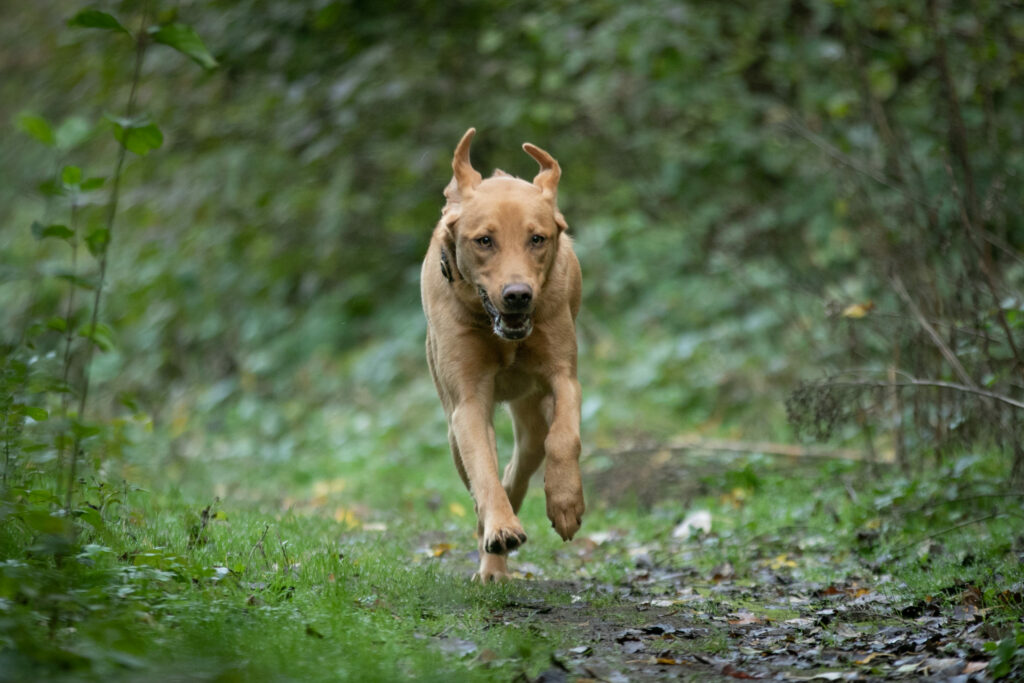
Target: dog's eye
(537, 239)
(484, 241)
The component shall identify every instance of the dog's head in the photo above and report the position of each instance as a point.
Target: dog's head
(504, 234)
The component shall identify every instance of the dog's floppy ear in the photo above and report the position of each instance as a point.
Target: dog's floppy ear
(547, 179)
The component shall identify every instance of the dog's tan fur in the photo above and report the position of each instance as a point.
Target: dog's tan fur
(474, 368)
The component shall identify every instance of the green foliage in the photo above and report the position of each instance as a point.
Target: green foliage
(185, 40)
(91, 18)
(742, 185)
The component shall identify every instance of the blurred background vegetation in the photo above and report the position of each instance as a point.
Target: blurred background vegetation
(744, 184)
(797, 220)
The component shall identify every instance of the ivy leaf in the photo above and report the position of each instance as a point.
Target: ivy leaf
(138, 137)
(185, 40)
(37, 127)
(43, 231)
(92, 18)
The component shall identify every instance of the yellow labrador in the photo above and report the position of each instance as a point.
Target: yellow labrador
(501, 290)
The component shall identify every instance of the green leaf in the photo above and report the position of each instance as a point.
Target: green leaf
(138, 137)
(56, 323)
(36, 413)
(51, 188)
(90, 515)
(71, 175)
(72, 132)
(97, 241)
(102, 336)
(43, 522)
(77, 280)
(59, 231)
(91, 18)
(82, 430)
(185, 40)
(90, 184)
(37, 127)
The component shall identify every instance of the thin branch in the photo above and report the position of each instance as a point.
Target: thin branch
(794, 125)
(947, 353)
(914, 382)
(258, 544)
(693, 443)
(964, 499)
(141, 41)
(986, 267)
(961, 525)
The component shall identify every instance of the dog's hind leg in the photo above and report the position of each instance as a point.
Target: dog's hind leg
(530, 419)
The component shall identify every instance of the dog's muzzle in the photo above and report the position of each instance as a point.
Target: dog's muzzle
(510, 326)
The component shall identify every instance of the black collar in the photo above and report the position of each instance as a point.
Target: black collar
(446, 267)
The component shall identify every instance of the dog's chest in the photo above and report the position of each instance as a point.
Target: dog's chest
(516, 377)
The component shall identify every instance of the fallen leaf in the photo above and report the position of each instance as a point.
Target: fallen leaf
(745, 618)
(723, 572)
(733, 672)
(858, 310)
(632, 646)
(781, 561)
(439, 549)
(346, 517)
(698, 520)
(974, 667)
(456, 509)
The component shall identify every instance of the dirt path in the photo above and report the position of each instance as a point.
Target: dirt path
(661, 626)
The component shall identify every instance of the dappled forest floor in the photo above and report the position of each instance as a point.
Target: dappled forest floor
(668, 615)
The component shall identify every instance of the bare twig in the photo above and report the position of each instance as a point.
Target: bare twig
(689, 444)
(957, 131)
(964, 499)
(947, 353)
(287, 562)
(258, 544)
(914, 382)
(961, 525)
(794, 125)
(986, 268)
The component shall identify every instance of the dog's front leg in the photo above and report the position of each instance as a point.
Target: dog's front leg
(497, 526)
(563, 486)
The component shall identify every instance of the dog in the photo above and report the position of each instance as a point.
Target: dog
(501, 289)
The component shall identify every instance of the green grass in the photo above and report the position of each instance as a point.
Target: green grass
(355, 565)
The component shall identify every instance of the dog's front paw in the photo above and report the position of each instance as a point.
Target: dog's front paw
(493, 569)
(501, 539)
(565, 508)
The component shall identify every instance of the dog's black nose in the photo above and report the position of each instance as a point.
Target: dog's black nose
(517, 296)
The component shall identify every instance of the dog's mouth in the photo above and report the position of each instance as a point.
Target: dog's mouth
(510, 326)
